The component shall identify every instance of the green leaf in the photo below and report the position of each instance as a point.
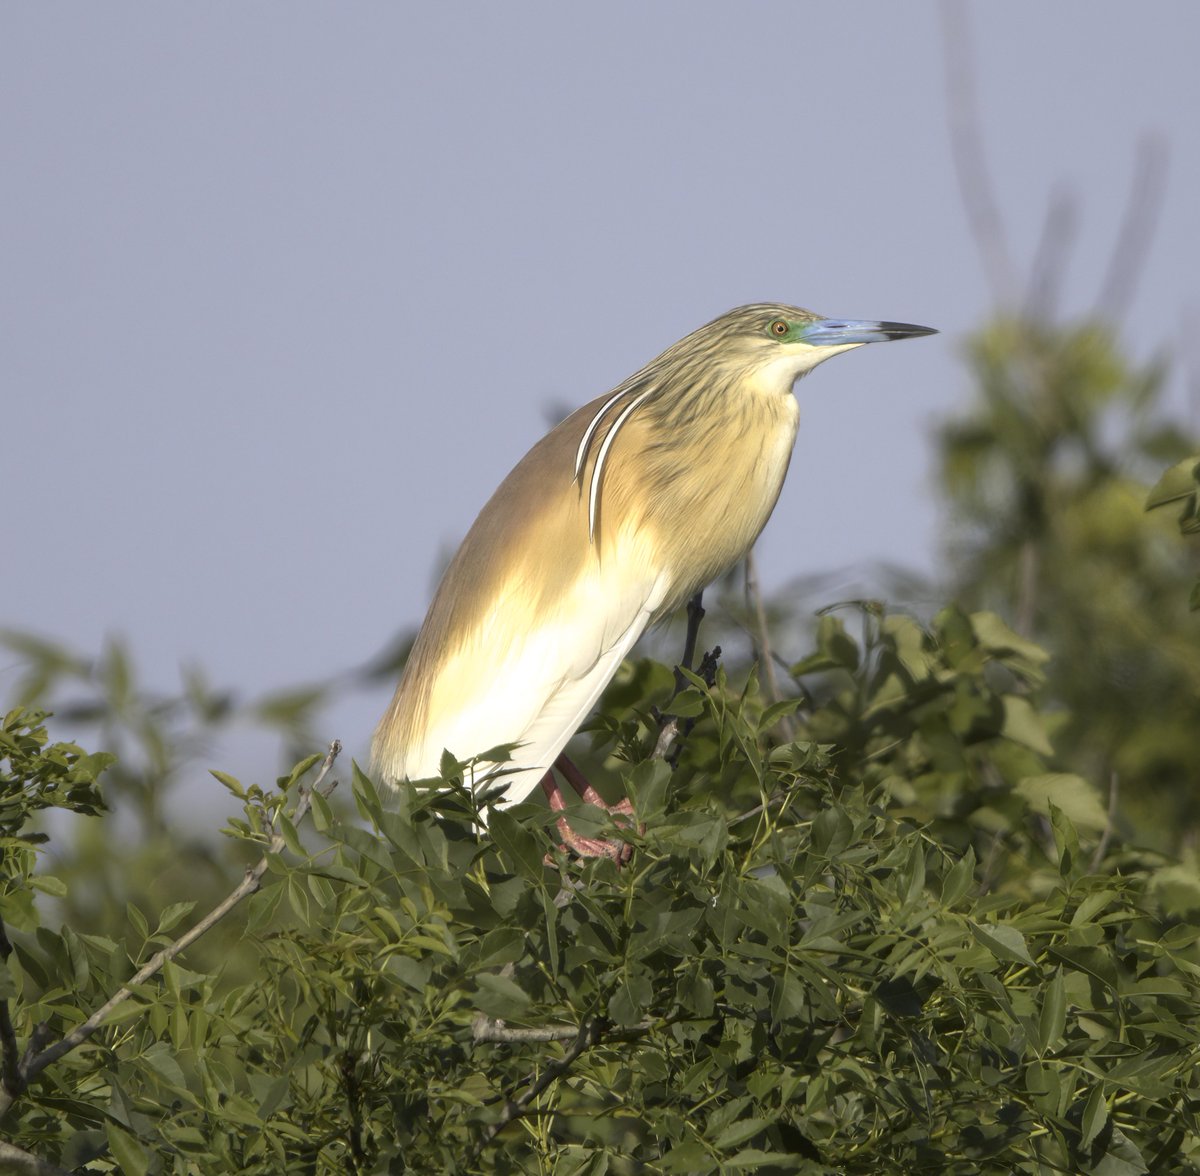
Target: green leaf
(836, 643)
(832, 831)
(290, 837)
(129, 1155)
(48, 884)
(1181, 481)
(740, 1132)
(959, 878)
(127, 1010)
(649, 783)
(301, 769)
(994, 635)
(1095, 1116)
(500, 996)
(1003, 941)
(1072, 794)
(1053, 1017)
(517, 844)
(138, 920)
(1122, 1158)
(687, 704)
(690, 1157)
(1091, 960)
(231, 782)
(778, 710)
(1022, 724)
(448, 767)
(171, 916)
(322, 814)
(1066, 840)
(631, 998)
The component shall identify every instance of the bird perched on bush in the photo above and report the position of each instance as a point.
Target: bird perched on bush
(616, 517)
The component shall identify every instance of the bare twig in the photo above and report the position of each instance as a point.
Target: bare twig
(761, 640)
(707, 671)
(1027, 587)
(966, 148)
(586, 1036)
(671, 732)
(31, 1066)
(1114, 790)
(485, 1028)
(1050, 259)
(695, 614)
(667, 734)
(760, 635)
(1133, 241)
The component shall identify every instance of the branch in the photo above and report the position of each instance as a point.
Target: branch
(586, 1036)
(1114, 788)
(670, 731)
(966, 149)
(1050, 258)
(1133, 241)
(485, 1028)
(32, 1066)
(1028, 568)
(695, 614)
(672, 746)
(760, 636)
(22, 1163)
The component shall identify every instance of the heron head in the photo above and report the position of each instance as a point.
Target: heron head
(778, 344)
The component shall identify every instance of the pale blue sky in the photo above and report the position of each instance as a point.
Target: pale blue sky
(287, 288)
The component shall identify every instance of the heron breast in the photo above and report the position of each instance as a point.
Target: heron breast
(706, 511)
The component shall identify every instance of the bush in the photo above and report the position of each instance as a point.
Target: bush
(873, 932)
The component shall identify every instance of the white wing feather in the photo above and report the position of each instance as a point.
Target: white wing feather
(538, 687)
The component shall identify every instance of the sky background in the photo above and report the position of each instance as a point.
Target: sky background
(286, 289)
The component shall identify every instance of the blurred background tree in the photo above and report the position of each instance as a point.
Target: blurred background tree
(1045, 481)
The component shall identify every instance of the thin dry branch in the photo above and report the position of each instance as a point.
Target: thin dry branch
(32, 1065)
(1129, 255)
(485, 1028)
(1050, 259)
(1114, 793)
(760, 634)
(966, 149)
(670, 731)
(1028, 576)
(586, 1036)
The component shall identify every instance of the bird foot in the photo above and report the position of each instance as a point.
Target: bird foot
(618, 851)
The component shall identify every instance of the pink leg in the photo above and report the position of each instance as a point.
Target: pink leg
(583, 846)
(587, 793)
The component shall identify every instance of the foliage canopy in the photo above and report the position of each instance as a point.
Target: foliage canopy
(891, 940)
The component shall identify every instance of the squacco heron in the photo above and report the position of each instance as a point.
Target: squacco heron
(616, 517)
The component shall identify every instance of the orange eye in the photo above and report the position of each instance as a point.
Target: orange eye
(779, 327)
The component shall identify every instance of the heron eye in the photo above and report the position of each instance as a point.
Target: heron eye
(779, 327)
